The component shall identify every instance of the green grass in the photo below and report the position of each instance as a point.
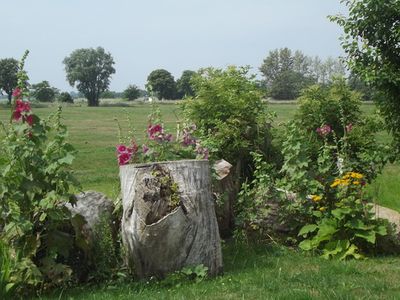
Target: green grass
(250, 272)
(265, 272)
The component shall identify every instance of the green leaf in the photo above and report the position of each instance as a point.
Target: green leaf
(67, 160)
(307, 229)
(351, 251)
(368, 235)
(381, 230)
(306, 245)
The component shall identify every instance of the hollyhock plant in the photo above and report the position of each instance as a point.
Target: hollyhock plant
(159, 145)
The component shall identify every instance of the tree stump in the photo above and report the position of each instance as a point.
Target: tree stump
(169, 218)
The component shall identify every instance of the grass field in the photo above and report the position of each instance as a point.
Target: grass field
(251, 272)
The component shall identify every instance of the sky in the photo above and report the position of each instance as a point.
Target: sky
(175, 35)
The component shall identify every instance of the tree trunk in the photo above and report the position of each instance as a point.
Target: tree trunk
(169, 218)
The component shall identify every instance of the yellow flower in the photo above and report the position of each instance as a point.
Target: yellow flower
(345, 182)
(335, 183)
(356, 182)
(316, 198)
(356, 175)
(323, 208)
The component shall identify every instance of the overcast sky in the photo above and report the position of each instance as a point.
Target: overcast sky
(171, 34)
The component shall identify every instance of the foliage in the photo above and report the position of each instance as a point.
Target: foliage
(105, 256)
(287, 73)
(42, 91)
(358, 85)
(65, 97)
(328, 137)
(187, 274)
(161, 84)
(35, 183)
(7, 265)
(90, 69)
(184, 85)
(8, 76)
(371, 41)
(345, 224)
(160, 145)
(132, 92)
(230, 116)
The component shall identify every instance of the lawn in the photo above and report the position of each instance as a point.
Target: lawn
(251, 272)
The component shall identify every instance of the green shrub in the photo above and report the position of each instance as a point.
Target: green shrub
(231, 118)
(328, 138)
(35, 185)
(65, 97)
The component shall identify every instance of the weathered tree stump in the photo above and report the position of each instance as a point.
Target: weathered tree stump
(168, 218)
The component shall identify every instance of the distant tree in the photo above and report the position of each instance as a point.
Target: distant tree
(90, 69)
(42, 91)
(184, 85)
(285, 73)
(132, 92)
(358, 85)
(8, 76)
(108, 95)
(371, 42)
(65, 97)
(162, 84)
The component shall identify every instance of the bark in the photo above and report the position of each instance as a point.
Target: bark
(169, 218)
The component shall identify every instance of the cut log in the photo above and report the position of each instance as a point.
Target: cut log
(169, 218)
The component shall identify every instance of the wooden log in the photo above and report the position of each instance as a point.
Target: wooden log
(169, 218)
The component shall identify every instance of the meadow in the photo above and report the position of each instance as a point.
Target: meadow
(251, 271)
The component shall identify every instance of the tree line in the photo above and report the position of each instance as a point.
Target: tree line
(284, 74)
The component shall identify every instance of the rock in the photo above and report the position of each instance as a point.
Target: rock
(389, 214)
(92, 206)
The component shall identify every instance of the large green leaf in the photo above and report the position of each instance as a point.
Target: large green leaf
(307, 229)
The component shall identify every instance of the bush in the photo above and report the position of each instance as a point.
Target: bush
(65, 97)
(328, 141)
(35, 184)
(231, 118)
(132, 92)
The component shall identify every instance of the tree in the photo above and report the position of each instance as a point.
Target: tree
(132, 92)
(184, 85)
(162, 84)
(42, 91)
(65, 97)
(286, 73)
(8, 76)
(371, 41)
(90, 69)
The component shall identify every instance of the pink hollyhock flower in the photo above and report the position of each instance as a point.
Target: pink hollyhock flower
(29, 120)
(154, 131)
(145, 149)
(324, 130)
(121, 149)
(124, 158)
(21, 107)
(17, 93)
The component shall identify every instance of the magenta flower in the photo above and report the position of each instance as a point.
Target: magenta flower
(154, 131)
(17, 93)
(22, 110)
(324, 130)
(124, 158)
(121, 149)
